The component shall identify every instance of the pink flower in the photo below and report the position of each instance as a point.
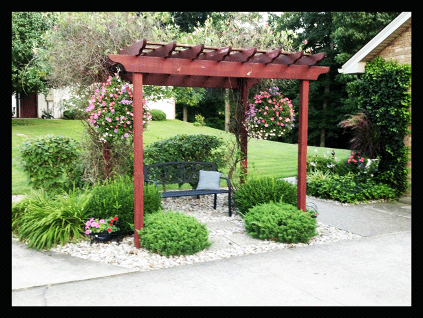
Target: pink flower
(266, 108)
(287, 120)
(266, 125)
(87, 232)
(115, 131)
(272, 118)
(305, 41)
(101, 221)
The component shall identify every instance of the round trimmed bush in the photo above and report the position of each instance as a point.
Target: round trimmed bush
(263, 190)
(157, 114)
(173, 233)
(281, 222)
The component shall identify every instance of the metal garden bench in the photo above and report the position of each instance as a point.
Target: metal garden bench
(181, 172)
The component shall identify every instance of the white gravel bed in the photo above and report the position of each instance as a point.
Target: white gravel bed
(126, 255)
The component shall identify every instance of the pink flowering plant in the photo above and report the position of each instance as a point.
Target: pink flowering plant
(364, 168)
(271, 115)
(101, 225)
(111, 112)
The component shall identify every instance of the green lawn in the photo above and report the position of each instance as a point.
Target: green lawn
(266, 158)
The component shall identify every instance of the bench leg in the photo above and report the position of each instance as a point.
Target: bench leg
(215, 198)
(229, 203)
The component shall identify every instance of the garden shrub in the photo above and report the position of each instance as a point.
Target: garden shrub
(383, 95)
(196, 147)
(349, 188)
(199, 120)
(47, 221)
(263, 190)
(326, 162)
(281, 222)
(173, 233)
(157, 114)
(116, 197)
(51, 161)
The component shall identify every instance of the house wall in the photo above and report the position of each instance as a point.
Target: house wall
(400, 49)
(52, 102)
(165, 105)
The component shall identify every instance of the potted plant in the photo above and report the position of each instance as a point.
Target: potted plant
(103, 230)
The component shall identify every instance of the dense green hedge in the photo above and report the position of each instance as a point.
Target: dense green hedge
(196, 147)
(382, 93)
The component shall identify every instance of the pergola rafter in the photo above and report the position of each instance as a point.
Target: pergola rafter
(172, 64)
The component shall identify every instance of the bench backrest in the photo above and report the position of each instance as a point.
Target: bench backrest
(177, 172)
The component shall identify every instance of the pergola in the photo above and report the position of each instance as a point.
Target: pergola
(172, 64)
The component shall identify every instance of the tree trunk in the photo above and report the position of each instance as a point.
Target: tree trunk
(185, 113)
(325, 104)
(227, 111)
(106, 157)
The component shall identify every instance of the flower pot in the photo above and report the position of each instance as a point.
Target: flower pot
(105, 237)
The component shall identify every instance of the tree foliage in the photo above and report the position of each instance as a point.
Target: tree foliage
(28, 74)
(340, 35)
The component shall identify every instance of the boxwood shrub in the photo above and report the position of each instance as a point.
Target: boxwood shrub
(173, 233)
(281, 222)
(158, 115)
(262, 190)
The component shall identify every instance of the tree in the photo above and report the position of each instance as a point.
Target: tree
(188, 96)
(78, 44)
(340, 35)
(28, 74)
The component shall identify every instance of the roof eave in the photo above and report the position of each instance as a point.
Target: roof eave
(357, 62)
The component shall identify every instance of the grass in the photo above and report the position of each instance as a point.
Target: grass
(265, 158)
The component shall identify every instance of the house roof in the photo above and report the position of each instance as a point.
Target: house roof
(357, 62)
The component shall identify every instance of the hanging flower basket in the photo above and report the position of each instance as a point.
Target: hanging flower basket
(111, 112)
(271, 115)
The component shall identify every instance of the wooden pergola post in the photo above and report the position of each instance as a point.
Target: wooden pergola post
(244, 133)
(302, 146)
(138, 157)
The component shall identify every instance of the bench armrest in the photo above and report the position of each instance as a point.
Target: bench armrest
(154, 182)
(228, 182)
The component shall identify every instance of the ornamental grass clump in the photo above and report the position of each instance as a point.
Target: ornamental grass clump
(271, 115)
(280, 222)
(47, 221)
(173, 233)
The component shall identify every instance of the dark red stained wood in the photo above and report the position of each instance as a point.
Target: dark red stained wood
(190, 81)
(135, 49)
(217, 55)
(311, 59)
(266, 58)
(147, 64)
(302, 145)
(288, 59)
(163, 51)
(244, 135)
(243, 56)
(191, 53)
(138, 158)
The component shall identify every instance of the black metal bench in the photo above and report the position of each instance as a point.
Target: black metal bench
(181, 172)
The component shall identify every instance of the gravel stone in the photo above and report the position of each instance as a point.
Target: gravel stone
(126, 255)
